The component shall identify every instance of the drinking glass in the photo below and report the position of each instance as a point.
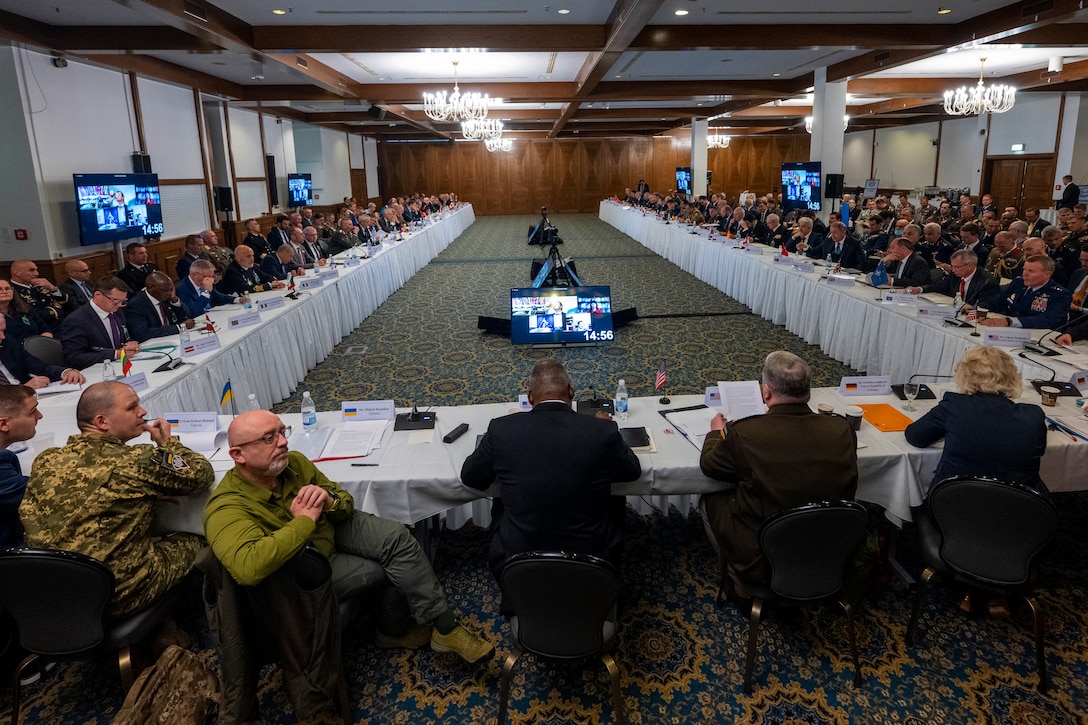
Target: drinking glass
(911, 391)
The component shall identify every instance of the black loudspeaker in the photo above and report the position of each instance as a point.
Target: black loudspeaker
(375, 112)
(834, 186)
(141, 163)
(497, 325)
(623, 317)
(273, 185)
(224, 200)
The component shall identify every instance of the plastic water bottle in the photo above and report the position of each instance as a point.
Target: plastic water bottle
(828, 264)
(251, 402)
(183, 333)
(107, 370)
(621, 400)
(957, 304)
(309, 414)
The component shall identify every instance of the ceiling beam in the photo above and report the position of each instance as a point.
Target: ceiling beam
(1056, 35)
(394, 39)
(775, 37)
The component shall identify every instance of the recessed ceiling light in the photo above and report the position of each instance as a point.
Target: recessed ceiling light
(944, 11)
(617, 76)
(775, 75)
(564, 11)
(681, 12)
(279, 12)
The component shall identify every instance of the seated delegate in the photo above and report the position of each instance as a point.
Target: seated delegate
(984, 432)
(1031, 300)
(197, 293)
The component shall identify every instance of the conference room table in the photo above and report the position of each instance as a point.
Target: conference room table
(270, 358)
(848, 323)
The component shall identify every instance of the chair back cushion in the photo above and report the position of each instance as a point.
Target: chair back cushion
(58, 599)
(991, 530)
(46, 349)
(808, 546)
(562, 602)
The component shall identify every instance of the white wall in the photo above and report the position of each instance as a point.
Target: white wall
(337, 175)
(245, 143)
(370, 154)
(1033, 121)
(279, 141)
(355, 151)
(960, 165)
(857, 157)
(904, 158)
(171, 130)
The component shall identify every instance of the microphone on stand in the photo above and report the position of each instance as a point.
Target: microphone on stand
(1037, 347)
(1053, 372)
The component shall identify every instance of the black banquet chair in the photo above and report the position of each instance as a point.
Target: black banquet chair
(807, 548)
(564, 609)
(46, 349)
(986, 534)
(59, 601)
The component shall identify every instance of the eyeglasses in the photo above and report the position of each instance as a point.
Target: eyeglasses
(119, 302)
(269, 439)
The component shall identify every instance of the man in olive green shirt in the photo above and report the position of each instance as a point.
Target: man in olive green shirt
(274, 502)
(97, 496)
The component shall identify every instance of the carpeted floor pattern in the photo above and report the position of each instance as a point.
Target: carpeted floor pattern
(681, 656)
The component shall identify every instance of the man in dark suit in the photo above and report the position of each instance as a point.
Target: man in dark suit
(194, 250)
(1036, 224)
(842, 248)
(20, 367)
(1031, 300)
(98, 331)
(768, 472)
(280, 234)
(78, 286)
(905, 267)
(554, 469)
(197, 292)
(280, 264)
(778, 234)
(315, 253)
(136, 267)
(969, 239)
(1070, 194)
(805, 240)
(966, 280)
(155, 311)
(243, 277)
(1078, 285)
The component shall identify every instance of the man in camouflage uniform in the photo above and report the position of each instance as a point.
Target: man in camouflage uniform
(96, 496)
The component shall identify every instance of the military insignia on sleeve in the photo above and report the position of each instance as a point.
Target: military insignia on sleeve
(258, 288)
(172, 461)
(1039, 303)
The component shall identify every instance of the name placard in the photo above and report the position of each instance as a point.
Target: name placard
(523, 402)
(328, 273)
(936, 312)
(353, 261)
(779, 259)
(866, 385)
(1080, 380)
(192, 422)
(1006, 336)
(136, 381)
(246, 319)
(200, 345)
(270, 304)
(309, 282)
(367, 410)
(841, 280)
(713, 396)
(898, 298)
(804, 267)
(753, 249)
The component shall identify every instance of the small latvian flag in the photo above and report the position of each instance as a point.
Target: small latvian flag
(662, 376)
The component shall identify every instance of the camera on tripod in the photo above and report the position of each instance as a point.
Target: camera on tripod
(544, 233)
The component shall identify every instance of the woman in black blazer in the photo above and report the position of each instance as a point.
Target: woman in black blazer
(984, 432)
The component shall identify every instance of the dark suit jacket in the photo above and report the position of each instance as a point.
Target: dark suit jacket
(85, 340)
(196, 305)
(982, 286)
(852, 255)
(182, 266)
(770, 476)
(23, 365)
(1070, 197)
(781, 235)
(143, 318)
(1045, 308)
(1036, 230)
(915, 271)
(277, 238)
(272, 266)
(137, 278)
(554, 469)
(238, 281)
(985, 434)
(815, 244)
(76, 296)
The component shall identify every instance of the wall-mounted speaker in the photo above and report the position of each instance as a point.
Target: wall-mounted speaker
(834, 186)
(141, 163)
(376, 113)
(224, 200)
(273, 185)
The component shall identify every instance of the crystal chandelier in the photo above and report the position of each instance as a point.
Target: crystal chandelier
(457, 107)
(717, 141)
(481, 128)
(845, 122)
(499, 144)
(966, 101)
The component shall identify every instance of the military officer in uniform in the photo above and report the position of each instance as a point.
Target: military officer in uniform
(1031, 300)
(243, 276)
(96, 495)
(39, 293)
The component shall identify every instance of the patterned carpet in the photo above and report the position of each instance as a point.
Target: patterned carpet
(680, 656)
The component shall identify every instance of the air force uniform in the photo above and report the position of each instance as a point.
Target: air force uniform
(1044, 308)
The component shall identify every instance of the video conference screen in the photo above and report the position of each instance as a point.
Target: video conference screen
(556, 315)
(113, 207)
(300, 189)
(801, 185)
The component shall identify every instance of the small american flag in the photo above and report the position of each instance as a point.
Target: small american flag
(972, 316)
(662, 377)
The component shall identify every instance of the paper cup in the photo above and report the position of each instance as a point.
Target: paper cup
(854, 414)
(1049, 395)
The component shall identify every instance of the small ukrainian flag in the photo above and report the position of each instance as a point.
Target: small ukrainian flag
(227, 396)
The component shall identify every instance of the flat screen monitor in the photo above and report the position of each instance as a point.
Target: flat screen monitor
(558, 315)
(300, 190)
(115, 207)
(801, 185)
(683, 179)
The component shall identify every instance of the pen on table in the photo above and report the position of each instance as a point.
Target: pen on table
(364, 464)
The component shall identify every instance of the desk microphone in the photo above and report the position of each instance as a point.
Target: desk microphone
(171, 363)
(1053, 372)
(1037, 347)
(927, 375)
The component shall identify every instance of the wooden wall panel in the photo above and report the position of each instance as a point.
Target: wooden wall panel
(570, 176)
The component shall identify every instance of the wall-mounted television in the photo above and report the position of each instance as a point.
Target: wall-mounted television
(115, 207)
(801, 185)
(558, 315)
(300, 190)
(683, 179)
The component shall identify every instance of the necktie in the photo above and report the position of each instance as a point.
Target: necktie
(115, 331)
(298, 255)
(164, 313)
(838, 249)
(86, 291)
(1081, 293)
(963, 286)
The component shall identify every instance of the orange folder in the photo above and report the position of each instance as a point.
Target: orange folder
(885, 417)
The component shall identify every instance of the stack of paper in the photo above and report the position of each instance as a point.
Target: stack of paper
(741, 399)
(354, 440)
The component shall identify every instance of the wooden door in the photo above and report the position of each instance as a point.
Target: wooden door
(358, 186)
(1019, 182)
(1038, 177)
(1006, 182)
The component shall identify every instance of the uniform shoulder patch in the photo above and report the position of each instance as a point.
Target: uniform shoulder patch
(171, 461)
